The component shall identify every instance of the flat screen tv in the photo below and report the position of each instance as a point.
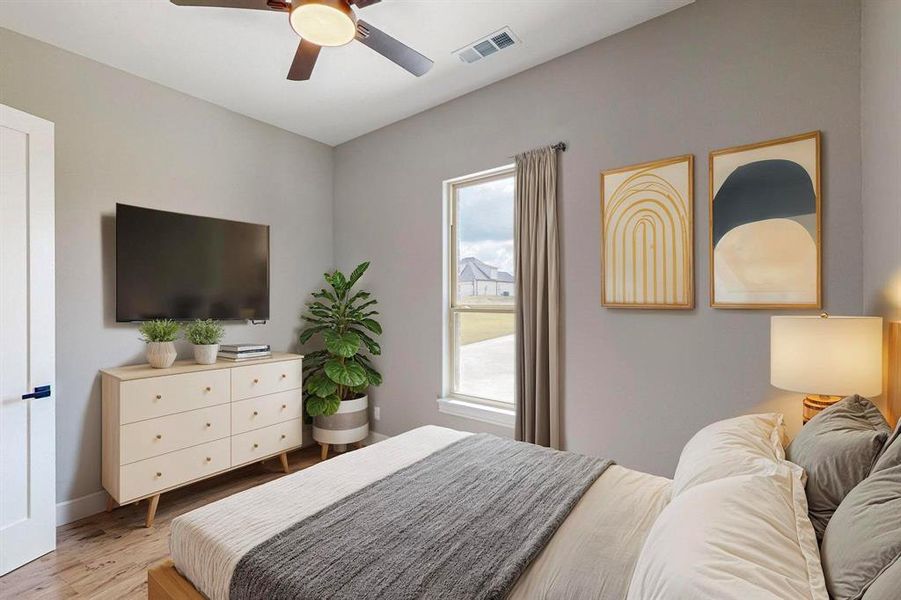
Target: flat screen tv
(175, 266)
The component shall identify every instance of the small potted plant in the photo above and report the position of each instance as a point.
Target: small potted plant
(205, 334)
(338, 376)
(160, 335)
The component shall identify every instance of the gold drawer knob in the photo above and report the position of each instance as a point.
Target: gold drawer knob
(159, 397)
(159, 436)
(284, 436)
(158, 474)
(209, 389)
(209, 425)
(255, 413)
(284, 376)
(284, 406)
(256, 446)
(208, 459)
(256, 380)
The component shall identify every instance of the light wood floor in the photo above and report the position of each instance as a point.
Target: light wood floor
(107, 555)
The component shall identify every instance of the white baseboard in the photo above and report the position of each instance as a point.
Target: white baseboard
(376, 437)
(79, 508)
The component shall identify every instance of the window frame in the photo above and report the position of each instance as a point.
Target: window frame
(485, 409)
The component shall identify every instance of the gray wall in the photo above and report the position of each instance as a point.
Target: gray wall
(637, 385)
(120, 138)
(881, 156)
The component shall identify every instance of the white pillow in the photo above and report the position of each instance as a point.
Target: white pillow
(745, 537)
(740, 446)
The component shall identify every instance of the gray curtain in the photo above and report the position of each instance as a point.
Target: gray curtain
(537, 299)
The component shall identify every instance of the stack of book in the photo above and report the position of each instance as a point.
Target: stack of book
(239, 352)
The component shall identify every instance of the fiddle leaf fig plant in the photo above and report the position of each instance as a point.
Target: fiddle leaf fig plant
(343, 319)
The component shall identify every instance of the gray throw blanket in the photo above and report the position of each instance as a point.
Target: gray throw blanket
(464, 522)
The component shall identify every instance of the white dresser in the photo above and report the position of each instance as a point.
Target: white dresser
(164, 428)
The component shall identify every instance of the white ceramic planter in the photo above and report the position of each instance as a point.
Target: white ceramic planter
(161, 355)
(206, 354)
(350, 424)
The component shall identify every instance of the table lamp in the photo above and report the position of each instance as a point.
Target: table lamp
(826, 358)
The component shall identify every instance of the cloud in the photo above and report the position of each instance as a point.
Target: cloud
(494, 252)
(485, 212)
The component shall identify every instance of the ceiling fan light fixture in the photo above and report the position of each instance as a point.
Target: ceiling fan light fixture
(324, 22)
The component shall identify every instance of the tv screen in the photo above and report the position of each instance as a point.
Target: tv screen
(176, 266)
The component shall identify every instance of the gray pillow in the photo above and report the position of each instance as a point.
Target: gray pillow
(891, 453)
(886, 586)
(837, 449)
(862, 544)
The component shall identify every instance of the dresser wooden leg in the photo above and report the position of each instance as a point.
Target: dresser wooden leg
(284, 458)
(151, 510)
(359, 444)
(110, 503)
(324, 451)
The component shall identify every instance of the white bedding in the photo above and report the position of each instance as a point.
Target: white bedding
(592, 555)
(745, 537)
(594, 552)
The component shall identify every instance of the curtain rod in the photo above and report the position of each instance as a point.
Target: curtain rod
(560, 146)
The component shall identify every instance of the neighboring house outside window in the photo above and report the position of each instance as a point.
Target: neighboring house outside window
(481, 286)
(475, 278)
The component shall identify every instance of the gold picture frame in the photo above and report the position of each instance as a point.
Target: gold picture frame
(755, 164)
(655, 198)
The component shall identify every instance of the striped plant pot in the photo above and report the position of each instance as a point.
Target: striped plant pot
(161, 355)
(350, 424)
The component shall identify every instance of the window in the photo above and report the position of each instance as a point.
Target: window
(481, 288)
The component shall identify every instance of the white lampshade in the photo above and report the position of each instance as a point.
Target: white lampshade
(830, 356)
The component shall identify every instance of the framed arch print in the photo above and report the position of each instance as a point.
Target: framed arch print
(647, 245)
(765, 225)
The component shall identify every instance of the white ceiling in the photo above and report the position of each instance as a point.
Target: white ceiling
(239, 58)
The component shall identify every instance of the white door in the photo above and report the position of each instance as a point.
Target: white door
(27, 364)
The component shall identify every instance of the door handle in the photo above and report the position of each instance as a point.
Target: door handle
(41, 391)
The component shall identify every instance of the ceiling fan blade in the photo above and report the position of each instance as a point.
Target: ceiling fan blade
(304, 61)
(393, 50)
(276, 5)
(364, 3)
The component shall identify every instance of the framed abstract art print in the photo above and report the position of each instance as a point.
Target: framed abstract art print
(765, 225)
(647, 244)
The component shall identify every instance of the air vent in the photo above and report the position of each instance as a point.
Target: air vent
(502, 40)
(490, 44)
(485, 48)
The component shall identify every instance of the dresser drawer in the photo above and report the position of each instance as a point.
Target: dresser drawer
(265, 378)
(154, 474)
(263, 411)
(153, 437)
(260, 443)
(158, 396)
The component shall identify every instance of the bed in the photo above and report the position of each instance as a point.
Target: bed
(444, 515)
(621, 505)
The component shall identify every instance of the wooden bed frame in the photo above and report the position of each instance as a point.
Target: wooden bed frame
(164, 582)
(893, 373)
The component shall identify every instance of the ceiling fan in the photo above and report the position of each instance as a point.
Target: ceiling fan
(328, 23)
